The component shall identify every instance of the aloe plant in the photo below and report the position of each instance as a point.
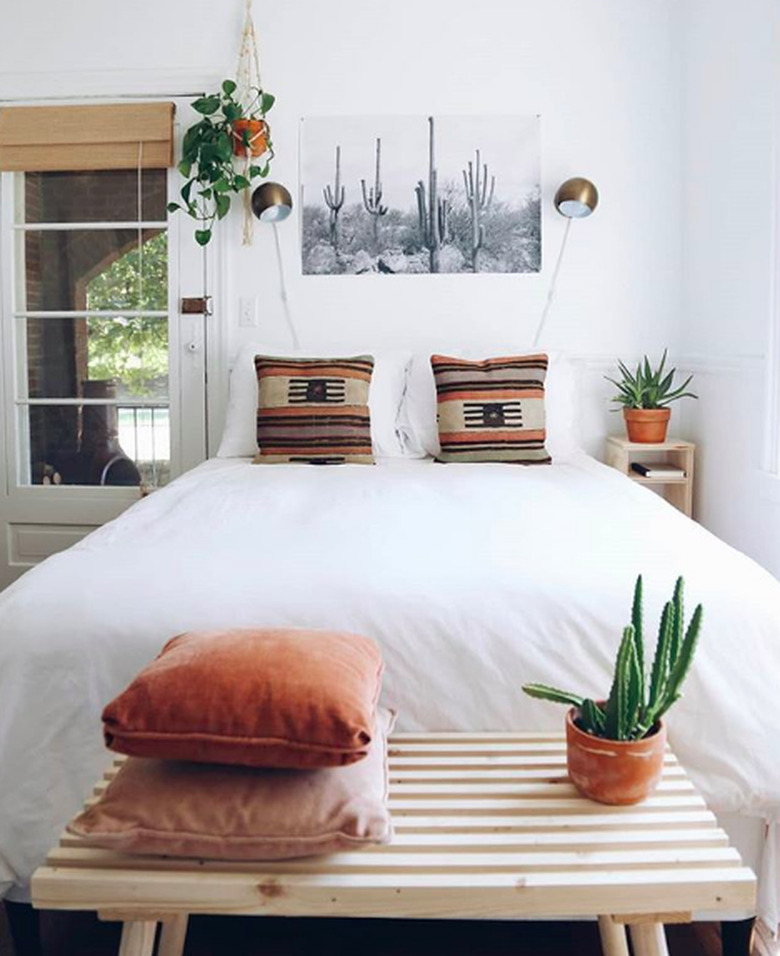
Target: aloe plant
(637, 700)
(647, 387)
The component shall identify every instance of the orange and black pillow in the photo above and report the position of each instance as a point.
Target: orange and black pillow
(314, 411)
(491, 410)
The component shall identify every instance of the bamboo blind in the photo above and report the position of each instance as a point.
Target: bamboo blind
(66, 138)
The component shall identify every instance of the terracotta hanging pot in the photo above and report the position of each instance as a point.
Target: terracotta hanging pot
(257, 135)
(647, 425)
(617, 772)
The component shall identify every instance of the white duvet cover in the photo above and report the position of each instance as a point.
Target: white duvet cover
(473, 578)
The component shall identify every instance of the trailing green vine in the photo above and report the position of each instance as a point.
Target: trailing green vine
(208, 162)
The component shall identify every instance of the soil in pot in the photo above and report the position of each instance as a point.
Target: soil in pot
(257, 134)
(647, 425)
(617, 772)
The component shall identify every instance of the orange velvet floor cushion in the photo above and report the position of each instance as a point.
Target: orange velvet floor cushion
(258, 698)
(242, 813)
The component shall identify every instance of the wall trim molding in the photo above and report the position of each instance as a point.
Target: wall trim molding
(50, 86)
(697, 362)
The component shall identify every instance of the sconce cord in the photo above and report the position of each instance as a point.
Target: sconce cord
(553, 285)
(283, 292)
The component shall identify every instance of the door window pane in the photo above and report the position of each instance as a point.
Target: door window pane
(64, 355)
(93, 389)
(97, 196)
(105, 445)
(76, 270)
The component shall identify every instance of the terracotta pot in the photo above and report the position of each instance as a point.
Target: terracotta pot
(647, 425)
(617, 772)
(257, 131)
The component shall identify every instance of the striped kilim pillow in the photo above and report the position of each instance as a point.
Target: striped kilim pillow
(313, 411)
(491, 410)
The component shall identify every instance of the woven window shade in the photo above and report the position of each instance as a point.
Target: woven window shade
(66, 138)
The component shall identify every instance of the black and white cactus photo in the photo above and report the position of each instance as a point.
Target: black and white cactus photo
(426, 194)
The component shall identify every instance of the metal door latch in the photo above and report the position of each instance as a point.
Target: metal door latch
(197, 305)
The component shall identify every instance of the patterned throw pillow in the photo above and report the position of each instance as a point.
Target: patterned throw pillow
(491, 410)
(314, 411)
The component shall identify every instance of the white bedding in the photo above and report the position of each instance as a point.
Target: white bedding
(473, 578)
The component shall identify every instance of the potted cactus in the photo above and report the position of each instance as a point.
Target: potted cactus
(615, 748)
(645, 396)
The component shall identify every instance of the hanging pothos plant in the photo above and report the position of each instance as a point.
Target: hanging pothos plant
(228, 130)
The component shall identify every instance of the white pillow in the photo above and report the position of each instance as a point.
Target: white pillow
(420, 432)
(388, 384)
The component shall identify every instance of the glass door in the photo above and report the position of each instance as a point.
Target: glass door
(99, 364)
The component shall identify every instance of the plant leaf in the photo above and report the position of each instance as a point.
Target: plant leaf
(639, 638)
(592, 717)
(545, 692)
(206, 105)
(228, 87)
(202, 236)
(222, 203)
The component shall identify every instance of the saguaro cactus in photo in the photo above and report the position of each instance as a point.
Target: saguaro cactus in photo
(433, 212)
(479, 199)
(372, 196)
(334, 200)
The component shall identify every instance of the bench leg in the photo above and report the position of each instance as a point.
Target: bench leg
(174, 934)
(24, 924)
(138, 938)
(737, 937)
(649, 939)
(613, 937)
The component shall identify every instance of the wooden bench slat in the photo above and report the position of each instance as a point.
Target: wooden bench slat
(503, 774)
(418, 862)
(444, 841)
(439, 895)
(518, 805)
(583, 821)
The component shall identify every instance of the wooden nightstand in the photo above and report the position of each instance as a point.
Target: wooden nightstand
(621, 453)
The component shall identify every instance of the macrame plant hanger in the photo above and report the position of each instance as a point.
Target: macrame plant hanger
(248, 83)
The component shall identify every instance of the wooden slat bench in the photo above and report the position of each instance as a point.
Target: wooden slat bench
(487, 826)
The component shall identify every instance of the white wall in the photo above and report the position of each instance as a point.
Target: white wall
(604, 74)
(730, 82)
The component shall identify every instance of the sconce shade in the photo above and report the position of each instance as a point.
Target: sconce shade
(576, 198)
(271, 202)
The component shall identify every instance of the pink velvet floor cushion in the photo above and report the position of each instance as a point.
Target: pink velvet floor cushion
(173, 808)
(258, 698)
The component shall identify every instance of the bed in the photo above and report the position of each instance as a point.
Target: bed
(473, 578)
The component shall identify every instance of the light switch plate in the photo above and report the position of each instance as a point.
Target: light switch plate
(247, 312)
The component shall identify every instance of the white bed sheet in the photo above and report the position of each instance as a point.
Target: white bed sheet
(473, 578)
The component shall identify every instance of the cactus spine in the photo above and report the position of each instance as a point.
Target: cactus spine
(433, 212)
(372, 196)
(334, 200)
(634, 706)
(479, 198)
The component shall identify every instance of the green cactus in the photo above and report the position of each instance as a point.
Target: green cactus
(635, 705)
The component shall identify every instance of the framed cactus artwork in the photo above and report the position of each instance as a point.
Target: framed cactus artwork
(422, 194)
